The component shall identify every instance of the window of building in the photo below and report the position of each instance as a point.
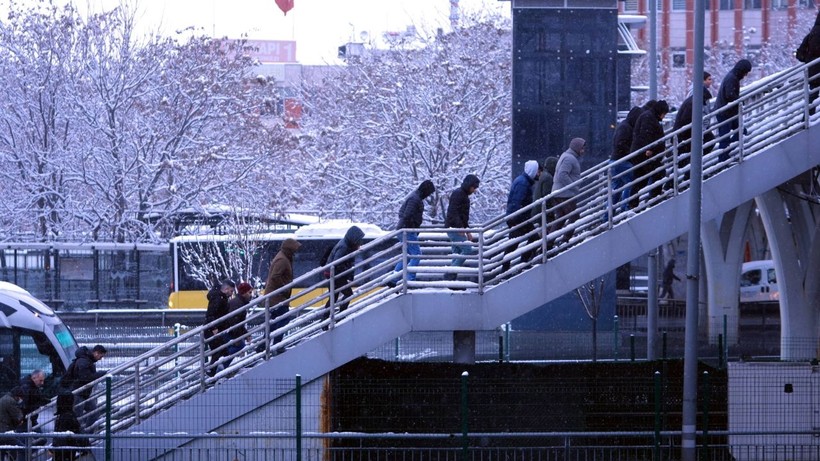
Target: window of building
(678, 5)
(726, 5)
(752, 4)
(678, 60)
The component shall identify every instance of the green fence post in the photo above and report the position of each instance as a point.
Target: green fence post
(398, 348)
(108, 419)
(726, 337)
(656, 453)
(464, 413)
(615, 326)
(663, 353)
(632, 347)
(298, 417)
(707, 387)
(507, 341)
(720, 351)
(500, 348)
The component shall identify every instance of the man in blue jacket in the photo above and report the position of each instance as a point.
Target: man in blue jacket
(519, 197)
(411, 215)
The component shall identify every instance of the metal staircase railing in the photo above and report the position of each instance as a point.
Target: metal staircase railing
(771, 110)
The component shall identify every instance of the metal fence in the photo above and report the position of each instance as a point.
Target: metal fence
(617, 413)
(74, 276)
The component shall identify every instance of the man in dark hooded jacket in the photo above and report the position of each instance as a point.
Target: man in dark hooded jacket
(218, 298)
(621, 172)
(728, 93)
(343, 270)
(458, 217)
(82, 371)
(647, 140)
(808, 51)
(684, 118)
(411, 215)
(519, 197)
(279, 275)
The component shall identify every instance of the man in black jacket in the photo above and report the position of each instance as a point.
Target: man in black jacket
(33, 399)
(646, 138)
(729, 92)
(808, 51)
(458, 217)
(411, 215)
(82, 371)
(621, 172)
(683, 118)
(343, 271)
(218, 298)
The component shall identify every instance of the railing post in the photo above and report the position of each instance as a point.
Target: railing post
(675, 153)
(806, 94)
(404, 260)
(108, 448)
(136, 392)
(507, 342)
(544, 232)
(720, 351)
(298, 417)
(740, 135)
(706, 396)
(617, 335)
(398, 348)
(266, 338)
(464, 414)
(202, 361)
(177, 328)
(632, 347)
(656, 452)
(610, 214)
(481, 262)
(332, 294)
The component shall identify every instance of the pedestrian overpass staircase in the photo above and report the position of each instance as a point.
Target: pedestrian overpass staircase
(167, 389)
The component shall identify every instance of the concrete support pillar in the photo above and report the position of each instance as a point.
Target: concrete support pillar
(791, 225)
(723, 253)
(464, 347)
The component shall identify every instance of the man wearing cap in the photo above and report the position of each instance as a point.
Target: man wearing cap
(519, 197)
(235, 323)
(11, 418)
(218, 298)
(565, 186)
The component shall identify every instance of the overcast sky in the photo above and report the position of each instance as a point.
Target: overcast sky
(318, 26)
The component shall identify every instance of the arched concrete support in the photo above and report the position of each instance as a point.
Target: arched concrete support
(792, 227)
(722, 240)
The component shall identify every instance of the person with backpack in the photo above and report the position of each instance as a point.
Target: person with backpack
(83, 371)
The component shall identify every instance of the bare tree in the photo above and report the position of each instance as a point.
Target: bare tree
(390, 119)
(591, 295)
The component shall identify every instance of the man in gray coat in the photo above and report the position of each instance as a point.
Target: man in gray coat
(567, 172)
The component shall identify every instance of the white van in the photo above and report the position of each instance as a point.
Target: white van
(758, 282)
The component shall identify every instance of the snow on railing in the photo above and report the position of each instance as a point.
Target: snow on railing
(770, 111)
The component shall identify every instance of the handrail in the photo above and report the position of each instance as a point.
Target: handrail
(770, 110)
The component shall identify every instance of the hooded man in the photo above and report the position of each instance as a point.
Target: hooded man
(808, 51)
(343, 278)
(218, 298)
(647, 138)
(519, 197)
(82, 371)
(621, 148)
(458, 217)
(411, 215)
(565, 186)
(684, 118)
(543, 186)
(11, 416)
(728, 93)
(279, 275)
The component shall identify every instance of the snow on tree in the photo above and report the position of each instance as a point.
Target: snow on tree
(375, 129)
(106, 128)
